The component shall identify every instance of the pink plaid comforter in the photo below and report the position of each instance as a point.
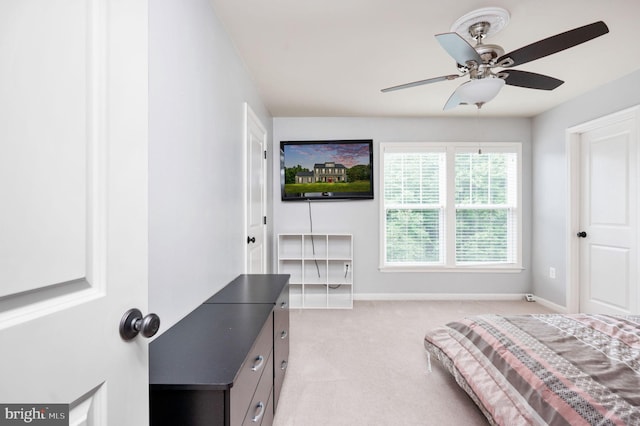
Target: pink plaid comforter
(546, 369)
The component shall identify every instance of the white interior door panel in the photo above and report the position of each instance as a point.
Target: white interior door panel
(73, 185)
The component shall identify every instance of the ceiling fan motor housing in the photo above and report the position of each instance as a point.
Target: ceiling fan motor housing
(489, 52)
(479, 26)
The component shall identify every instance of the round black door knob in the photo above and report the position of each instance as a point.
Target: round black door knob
(133, 323)
(582, 234)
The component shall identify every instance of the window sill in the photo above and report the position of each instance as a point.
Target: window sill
(454, 269)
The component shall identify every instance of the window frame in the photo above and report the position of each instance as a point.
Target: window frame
(450, 149)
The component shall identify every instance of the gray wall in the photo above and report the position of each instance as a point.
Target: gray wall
(197, 89)
(549, 212)
(361, 218)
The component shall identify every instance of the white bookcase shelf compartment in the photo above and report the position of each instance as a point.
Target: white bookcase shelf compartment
(321, 269)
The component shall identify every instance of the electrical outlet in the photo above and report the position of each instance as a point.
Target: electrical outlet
(552, 273)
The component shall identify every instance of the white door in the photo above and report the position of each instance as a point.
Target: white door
(608, 227)
(256, 139)
(73, 216)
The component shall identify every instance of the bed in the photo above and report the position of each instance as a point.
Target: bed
(555, 369)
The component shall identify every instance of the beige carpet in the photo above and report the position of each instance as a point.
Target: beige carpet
(367, 366)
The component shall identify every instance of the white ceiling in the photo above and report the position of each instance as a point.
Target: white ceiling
(332, 57)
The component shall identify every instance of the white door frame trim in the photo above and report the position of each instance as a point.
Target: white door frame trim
(250, 115)
(573, 135)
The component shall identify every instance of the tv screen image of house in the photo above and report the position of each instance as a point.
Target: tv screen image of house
(325, 170)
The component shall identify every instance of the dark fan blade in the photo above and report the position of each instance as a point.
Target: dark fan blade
(530, 80)
(555, 44)
(421, 82)
(458, 48)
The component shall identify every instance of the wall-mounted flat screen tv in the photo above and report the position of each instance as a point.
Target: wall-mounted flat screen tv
(326, 170)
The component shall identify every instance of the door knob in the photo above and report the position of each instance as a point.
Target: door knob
(251, 240)
(582, 234)
(133, 323)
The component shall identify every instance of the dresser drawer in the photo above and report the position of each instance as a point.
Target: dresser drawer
(267, 420)
(267, 416)
(259, 406)
(256, 365)
(280, 342)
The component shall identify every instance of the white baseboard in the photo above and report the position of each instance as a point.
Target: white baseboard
(454, 296)
(553, 306)
(437, 296)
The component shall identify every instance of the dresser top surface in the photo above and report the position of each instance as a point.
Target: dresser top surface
(251, 289)
(206, 348)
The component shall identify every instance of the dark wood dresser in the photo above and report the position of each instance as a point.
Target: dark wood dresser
(224, 363)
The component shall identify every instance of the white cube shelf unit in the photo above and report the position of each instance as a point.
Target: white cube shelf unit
(321, 269)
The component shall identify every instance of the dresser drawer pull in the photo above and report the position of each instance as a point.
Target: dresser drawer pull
(283, 365)
(284, 334)
(259, 412)
(257, 363)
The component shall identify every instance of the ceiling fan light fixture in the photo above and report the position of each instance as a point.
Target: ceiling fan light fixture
(479, 91)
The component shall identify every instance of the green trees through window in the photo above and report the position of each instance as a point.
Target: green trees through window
(450, 205)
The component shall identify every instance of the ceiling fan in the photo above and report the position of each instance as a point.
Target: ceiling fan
(481, 62)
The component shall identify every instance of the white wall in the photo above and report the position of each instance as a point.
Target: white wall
(550, 174)
(361, 218)
(197, 89)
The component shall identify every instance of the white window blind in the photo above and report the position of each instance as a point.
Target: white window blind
(486, 208)
(414, 207)
(479, 183)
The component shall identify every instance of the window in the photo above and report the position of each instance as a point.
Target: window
(453, 206)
